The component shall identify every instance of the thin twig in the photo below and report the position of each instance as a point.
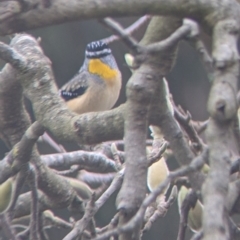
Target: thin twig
(156, 156)
(58, 147)
(120, 143)
(34, 223)
(189, 202)
(19, 181)
(72, 171)
(91, 211)
(82, 224)
(113, 223)
(195, 165)
(50, 219)
(129, 30)
(197, 236)
(96, 179)
(181, 32)
(7, 228)
(161, 210)
(24, 234)
(200, 126)
(116, 156)
(42, 232)
(182, 181)
(185, 120)
(206, 59)
(117, 29)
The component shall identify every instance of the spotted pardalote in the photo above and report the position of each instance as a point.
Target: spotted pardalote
(97, 85)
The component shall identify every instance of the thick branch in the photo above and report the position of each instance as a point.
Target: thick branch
(39, 86)
(14, 119)
(58, 11)
(222, 106)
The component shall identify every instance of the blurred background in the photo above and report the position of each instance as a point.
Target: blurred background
(65, 46)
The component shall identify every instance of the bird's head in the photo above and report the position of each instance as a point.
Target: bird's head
(100, 61)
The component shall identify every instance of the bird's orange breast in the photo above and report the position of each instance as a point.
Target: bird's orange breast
(96, 66)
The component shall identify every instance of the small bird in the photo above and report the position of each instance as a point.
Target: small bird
(97, 85)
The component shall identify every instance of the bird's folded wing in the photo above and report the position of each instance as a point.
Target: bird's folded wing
(75, 87)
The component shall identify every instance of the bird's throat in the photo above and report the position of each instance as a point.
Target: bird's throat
(96, 66)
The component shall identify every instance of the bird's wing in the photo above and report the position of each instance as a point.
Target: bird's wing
(75, 87)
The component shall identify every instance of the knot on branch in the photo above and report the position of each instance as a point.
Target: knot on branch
(222, 103)
(225, 36)
(141, 88)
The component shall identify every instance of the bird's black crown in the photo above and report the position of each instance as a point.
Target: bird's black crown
(97, 49)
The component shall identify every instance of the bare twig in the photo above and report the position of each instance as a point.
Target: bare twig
(94, 207)
(195, 165)
(200, 126)
(200, 48)
(197, 236)
(156, 156)
(58, 147)
(115, 185)
(21, 152)
(185, 120)
(129, 30)
(206, 58)
(181, 32)
(116, 156)
(161, 210)
(19, 181)
(24, 234)
(120, 143)
(72, 171)
(34, 222)
(96, 179)
(7, 228)
(235, 166)
(113, 223)
(151, 48)
(182, 181)
(122, 33)
(42, 233)
(188, 203)
(50, 219)
(82, 224)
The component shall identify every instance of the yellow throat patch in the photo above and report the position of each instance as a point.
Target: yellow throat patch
(96, 66)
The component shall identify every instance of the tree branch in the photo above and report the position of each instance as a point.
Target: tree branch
(55, 12)
(223, 146)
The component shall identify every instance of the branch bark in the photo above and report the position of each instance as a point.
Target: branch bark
(33, 14)
(222, 106)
